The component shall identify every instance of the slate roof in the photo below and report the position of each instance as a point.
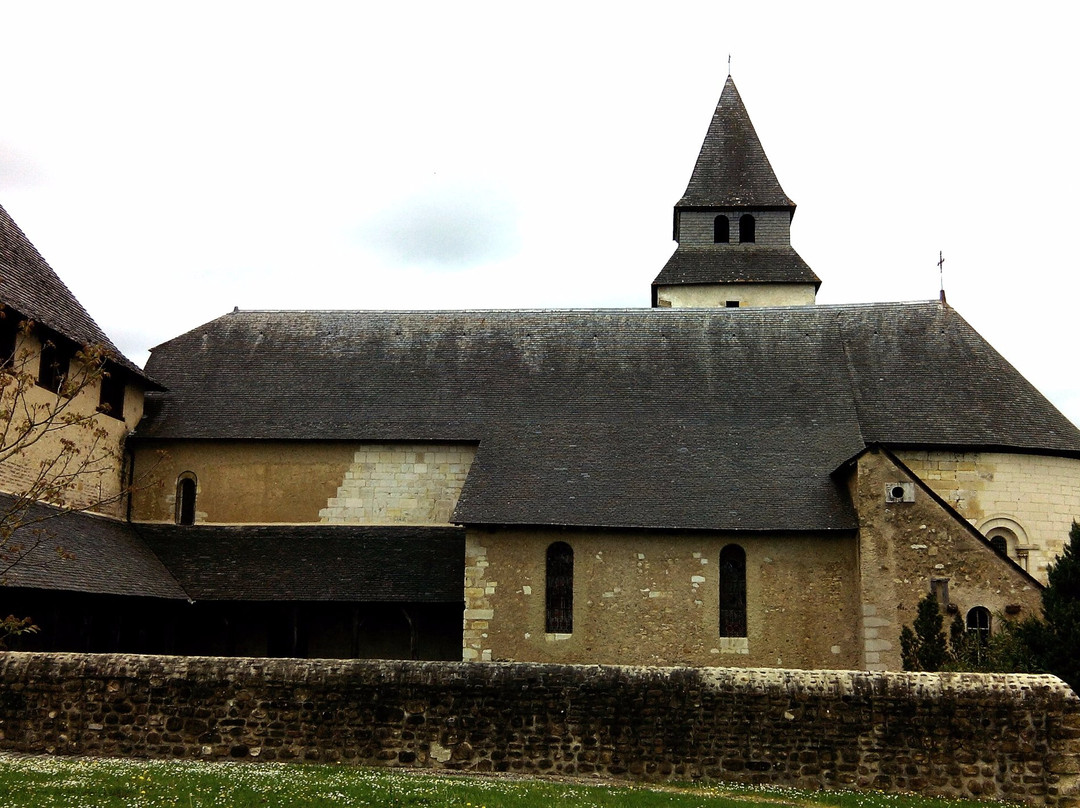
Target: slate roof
(725, 419)
(735, 264)
(313, 562)
(30, 286)
(80, 552)
(732, 169)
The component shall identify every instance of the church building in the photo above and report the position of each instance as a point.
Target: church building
(734, 476)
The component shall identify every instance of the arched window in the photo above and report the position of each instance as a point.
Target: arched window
(186, 486)
(559, 603)
(732, 591)
(1000, 543)
(978, 620)
(721, 230)
(746, 229)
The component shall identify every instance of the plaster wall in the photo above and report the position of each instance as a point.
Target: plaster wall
(100, 440)
(267, 482)
(652, 599)
(904, 546)
(772, 228)
(1036, 497)
(716, 295)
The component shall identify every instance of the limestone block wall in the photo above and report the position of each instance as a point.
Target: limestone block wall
(904, 547)
(772, 228)
(748, 294)
(995, 736)
(1036, 497)
(400, 484)
(653, 599)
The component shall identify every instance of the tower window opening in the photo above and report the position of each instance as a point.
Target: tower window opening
(746, 229)
(721, 230)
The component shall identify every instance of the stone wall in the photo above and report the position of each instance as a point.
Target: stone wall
(906, 548)
(1035, 497)
(652, 598)
(972, 735)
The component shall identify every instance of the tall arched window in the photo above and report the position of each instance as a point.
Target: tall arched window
(978, 620)
(746, 229)
(559, 602)
(732, 591)
(186, 486)
(721, 230)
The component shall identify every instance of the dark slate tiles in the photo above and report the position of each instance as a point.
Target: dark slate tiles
(29, 286)
(735, 264)
(710, 419)
(73, 551)
(313, 562)
(732, 169)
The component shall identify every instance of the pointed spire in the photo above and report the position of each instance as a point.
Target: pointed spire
(732, 169)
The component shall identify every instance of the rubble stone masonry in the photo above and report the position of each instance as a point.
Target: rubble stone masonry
(1000, 736)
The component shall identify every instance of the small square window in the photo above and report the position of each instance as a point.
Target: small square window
(55, 363)
(112, 393)
(732, 304)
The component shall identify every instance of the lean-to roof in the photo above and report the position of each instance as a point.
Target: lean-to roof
(81, 552)
(344, 563)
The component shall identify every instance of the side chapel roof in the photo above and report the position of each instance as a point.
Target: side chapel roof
(732, 169)
(313, 562)
(81, 552)
(30, 286)
(728, 419)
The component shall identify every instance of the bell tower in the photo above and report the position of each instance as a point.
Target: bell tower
(733, 226)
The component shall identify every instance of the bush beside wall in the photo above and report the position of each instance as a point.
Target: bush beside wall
(998, 736)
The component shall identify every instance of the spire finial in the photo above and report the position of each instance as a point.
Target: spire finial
(729, 65)
(941, 274)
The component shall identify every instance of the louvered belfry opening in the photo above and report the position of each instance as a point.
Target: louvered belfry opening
(560, 589)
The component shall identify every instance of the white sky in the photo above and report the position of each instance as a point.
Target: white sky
(172, 161)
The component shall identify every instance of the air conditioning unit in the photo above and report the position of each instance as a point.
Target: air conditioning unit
(899, 492)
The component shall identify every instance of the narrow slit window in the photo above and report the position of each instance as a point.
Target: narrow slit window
(746, 229)
(186, 488)
(721, 233)
(733, 591)
(559, 618)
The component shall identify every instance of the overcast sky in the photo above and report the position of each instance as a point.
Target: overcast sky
(174, 161)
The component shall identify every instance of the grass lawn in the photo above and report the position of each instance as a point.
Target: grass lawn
(77, 782)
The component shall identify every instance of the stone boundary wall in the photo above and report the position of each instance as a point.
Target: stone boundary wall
(998, 736)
